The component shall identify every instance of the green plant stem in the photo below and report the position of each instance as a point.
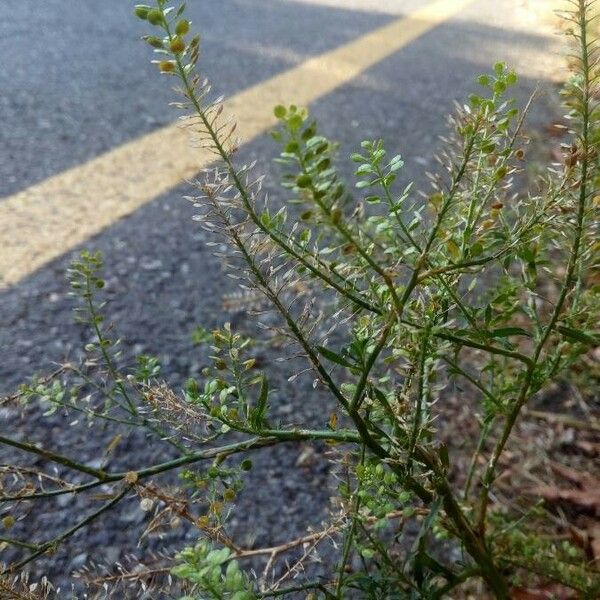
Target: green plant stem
(55, 542)
(271, 438)
(480, 346)
(54, 457)
(245, 195)
(18, 543)
(362, 382)
(351, 239)
(473, 541)
(313, 585)
(112, 369)
(102, 345)
(483, 435)
(347, 549)
(390, 201)
(414, 436)
(291, 323)
(455, 582)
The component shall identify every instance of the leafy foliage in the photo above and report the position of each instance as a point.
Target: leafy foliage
(479, 285)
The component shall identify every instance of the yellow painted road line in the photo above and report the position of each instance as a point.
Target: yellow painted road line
(50, 218)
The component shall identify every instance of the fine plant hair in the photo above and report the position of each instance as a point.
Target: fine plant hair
(391, 299)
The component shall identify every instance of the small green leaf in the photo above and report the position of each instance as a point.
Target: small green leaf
(334, 357)
(367, 553)
(364, 169)
(476, 249)
(395, 165)
(499, 87)
(257, 414)
(218, 557)
(508, 331)
(582, 337)
(444, 456)
(295, 122)
(499, 68)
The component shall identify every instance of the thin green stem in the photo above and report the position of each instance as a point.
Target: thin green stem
(362, 382)
(54, 457)
(480, 346)
(351, 239)
(245, 195)
(349, 538)
(102, 343)
(270, 437)
(421, 393)
(55, 542)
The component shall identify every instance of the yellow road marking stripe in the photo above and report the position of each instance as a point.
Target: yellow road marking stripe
(50, 218)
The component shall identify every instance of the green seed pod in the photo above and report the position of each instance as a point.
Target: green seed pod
(154, 41)
(177, 45)
(229, 495)
(203, 521)
(8, 521)
(280, 111)
(303, 181)
(183, 27)
(141, 11)
(155, 17)
(500, 172)
(246, 464)
(166, 66)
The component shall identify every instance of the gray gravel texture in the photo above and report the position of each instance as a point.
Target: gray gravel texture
(78, 84)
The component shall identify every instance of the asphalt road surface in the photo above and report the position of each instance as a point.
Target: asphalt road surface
(77, 84)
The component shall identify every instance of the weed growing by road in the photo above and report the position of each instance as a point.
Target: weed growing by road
(477, 287)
